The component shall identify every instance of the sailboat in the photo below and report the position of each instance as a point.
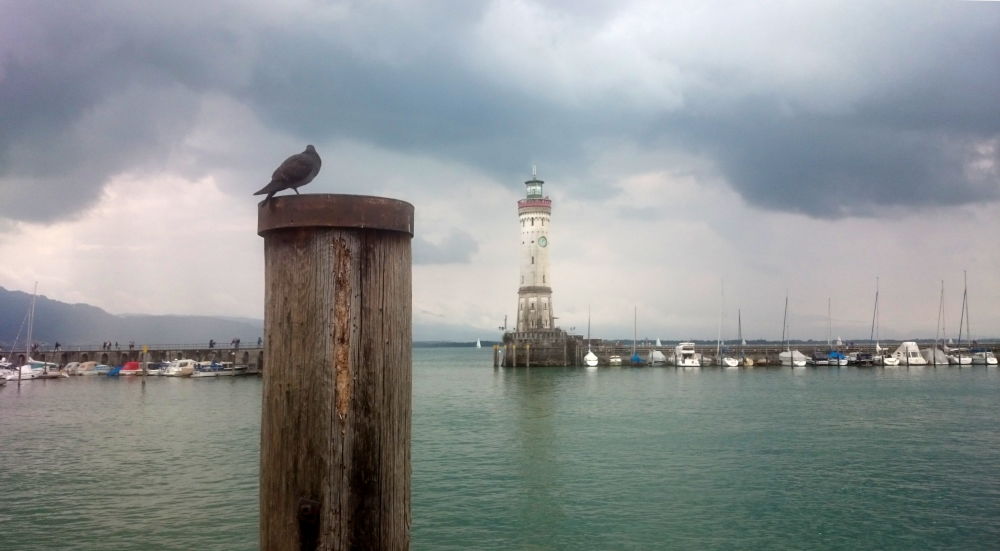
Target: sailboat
(935, 355)
(479, 344)
(590, 359)
(789, 358)
(746, 361)
(635, 359)
(27, 372)
(878, 358)
(721, 360)
(961, 358)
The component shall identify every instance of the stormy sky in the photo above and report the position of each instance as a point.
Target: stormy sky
(767, 148)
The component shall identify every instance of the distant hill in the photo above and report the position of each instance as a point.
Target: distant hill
(83, 324)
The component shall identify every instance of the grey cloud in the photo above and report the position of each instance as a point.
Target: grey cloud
(88, 92)
(457, 247)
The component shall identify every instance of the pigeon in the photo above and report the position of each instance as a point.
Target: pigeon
(297, 170)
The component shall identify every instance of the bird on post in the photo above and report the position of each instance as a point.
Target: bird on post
(297, 171)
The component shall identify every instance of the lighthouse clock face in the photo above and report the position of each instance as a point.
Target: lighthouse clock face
(542, 241)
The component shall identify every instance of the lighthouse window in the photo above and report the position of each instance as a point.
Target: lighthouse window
(532, 221)
(532, 260)
(543, 279)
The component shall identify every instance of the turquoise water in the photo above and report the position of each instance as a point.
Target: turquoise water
(549, 458)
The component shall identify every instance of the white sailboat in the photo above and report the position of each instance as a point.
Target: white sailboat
(590, 360)
(879, 358)
(27, 371)
(960, 355)
(789, 358)
(479, 344)
(744, 359)
(723, 360)
(935, 355)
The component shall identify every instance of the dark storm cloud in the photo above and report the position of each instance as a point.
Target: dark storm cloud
(91, 90)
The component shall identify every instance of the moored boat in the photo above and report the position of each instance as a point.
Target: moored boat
(981, 356)
(131, 368)
(87, 368)
(685, 355)
(908, 353)
(792, 358)
(179, 368)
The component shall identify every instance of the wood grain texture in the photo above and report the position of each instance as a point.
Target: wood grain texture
(336, 403)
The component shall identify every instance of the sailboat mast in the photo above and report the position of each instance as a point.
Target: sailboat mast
(739, 329)
(968, 325)
(588, 328)
(718, 339)
(784, 321)
(938, 329)
(31, 322)
(829, 323)
(961, 318)
(635, 322)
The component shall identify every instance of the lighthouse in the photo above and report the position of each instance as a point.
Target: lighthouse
(534, 296)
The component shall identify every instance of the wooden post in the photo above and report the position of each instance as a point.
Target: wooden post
(335, 427)
(513, 362)
(527, 355)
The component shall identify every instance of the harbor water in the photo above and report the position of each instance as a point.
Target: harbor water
(541, 458)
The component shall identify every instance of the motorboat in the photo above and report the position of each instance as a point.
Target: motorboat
(102, 369)
(685, 355)
(47, 370)
(72, 368)
(155, 369)
(908, 353)
(615, 360)
(213, 369)
(87, 368)
(818, 359)
(131, 368)
(793, 358)
(981, 356)
(179, 368)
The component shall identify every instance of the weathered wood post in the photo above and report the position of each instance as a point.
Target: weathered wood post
(335, 427)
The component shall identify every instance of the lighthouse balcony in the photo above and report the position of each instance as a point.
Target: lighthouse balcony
(537, 203)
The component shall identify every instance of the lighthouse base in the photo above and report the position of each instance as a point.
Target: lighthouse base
(538, 348)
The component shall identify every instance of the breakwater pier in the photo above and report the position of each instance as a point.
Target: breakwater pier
(252, 356)
(555, 348)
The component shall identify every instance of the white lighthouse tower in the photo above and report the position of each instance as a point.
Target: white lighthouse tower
(534, 296)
